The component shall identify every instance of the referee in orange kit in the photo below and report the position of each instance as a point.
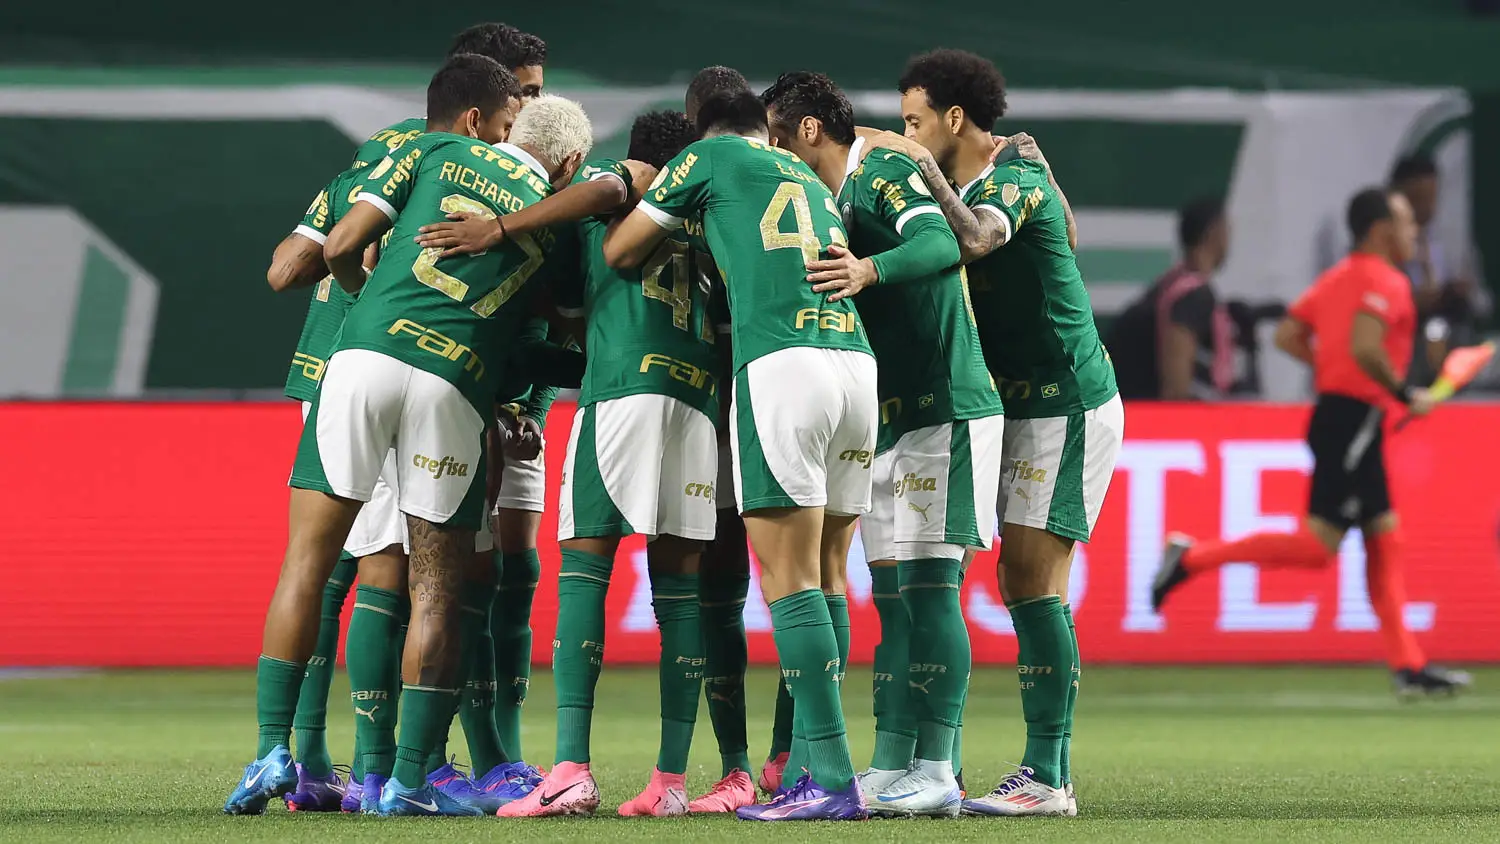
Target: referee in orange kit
(1354, 326)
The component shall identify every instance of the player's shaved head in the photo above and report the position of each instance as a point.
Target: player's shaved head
(958, 78)
(1367, 208)
(740, 113)
(657, 136)
(472, 83)
(519, 52)
(802, 94)
(709, 82)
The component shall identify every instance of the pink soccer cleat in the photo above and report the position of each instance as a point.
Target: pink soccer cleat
(569, 789)
(772, 773)
(664, 797)
(733, 792)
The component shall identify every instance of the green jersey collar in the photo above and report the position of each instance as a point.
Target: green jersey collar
(977, 179)
(525, 158)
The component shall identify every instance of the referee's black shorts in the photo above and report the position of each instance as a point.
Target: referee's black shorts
(1348, 481)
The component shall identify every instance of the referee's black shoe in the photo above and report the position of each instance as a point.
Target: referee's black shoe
(1171, 574)
(1429, 680)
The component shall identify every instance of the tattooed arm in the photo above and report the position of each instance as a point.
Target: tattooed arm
(1025, 146)
(297, 262)
(978, 234)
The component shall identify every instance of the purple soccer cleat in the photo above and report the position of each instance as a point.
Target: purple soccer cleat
(808, 801)
(316, 794)
(353, 794)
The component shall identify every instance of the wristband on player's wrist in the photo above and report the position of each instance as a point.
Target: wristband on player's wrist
(501, 220)
(1403, 394)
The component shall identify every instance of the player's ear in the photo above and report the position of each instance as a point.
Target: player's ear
(471, 120)
(810, 127)
(955, 118)
(568, 170)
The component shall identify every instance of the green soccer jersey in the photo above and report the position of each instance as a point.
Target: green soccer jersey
(765, 216)
(388, 140)
(1035, 320)
(517, 385)
(931, 370)
(458, 318)
(325, 313)
(650, 330)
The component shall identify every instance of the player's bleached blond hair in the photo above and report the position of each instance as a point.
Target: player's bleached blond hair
(553, 128)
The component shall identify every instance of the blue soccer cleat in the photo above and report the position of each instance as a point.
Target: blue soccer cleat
(808, 801)
(504, 784)
(354, 793)
(265, 779)
(396, 800)
(369, 790)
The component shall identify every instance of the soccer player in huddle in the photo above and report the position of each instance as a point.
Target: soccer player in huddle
(414, 369)
(1065, 419)
(937, 464)
(802, 473)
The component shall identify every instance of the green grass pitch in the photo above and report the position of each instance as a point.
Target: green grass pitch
(1161, 755)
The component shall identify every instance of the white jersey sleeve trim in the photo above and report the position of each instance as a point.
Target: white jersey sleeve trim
(311, 234)
(609, 174)
(1003, 219)
(388, 209)
(912, 213)
(660, 217)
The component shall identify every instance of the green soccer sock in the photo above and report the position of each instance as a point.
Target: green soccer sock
(838, 614)
(425, 715)
(895, 726)
(674, 600)
(374, 681)
(785, 716)
(310, 725)
(810, 661)
(958, 736)
(510, 625)
(578, 649)
(277, 683)
(721, 616)
(1044, 662)
(477, 710)
(940, 654)
(1077, 674)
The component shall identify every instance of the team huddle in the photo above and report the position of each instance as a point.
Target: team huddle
(783, 326)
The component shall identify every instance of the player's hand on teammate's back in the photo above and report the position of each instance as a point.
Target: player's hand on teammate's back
(841, 275)
(641, 177)
(523, 438)
(1421, 402)
(462, 234)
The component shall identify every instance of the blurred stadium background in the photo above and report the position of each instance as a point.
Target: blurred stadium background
(151, 156)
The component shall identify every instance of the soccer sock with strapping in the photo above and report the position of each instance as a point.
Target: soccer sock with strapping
(375, 642)
(940, 653)
(578, 648)
(721, 616)
(674, 600)
(510, 626)
(1067, 746)
(784, 716)
(810, 661)
(1299, 550)
(1044, 663)
(895, 728)
(1387, 587)
(425, 715)
(477, 705)
(310, 725)
(277, 683)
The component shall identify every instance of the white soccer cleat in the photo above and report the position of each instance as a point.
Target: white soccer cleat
(929, 789)
(1072, 800)
(873, 781)
(1019, 795)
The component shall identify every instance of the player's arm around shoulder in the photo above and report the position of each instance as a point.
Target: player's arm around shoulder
(680, 189)
(978, 233)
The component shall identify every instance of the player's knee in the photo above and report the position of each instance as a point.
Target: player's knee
(516, 530)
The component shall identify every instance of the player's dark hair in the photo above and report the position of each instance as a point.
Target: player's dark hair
(1196, 218)
(1367, 208)
(502, 42)
(727, 113)
(802, 94)
(1415, 166)
(958, 78)
(710, 81)
(657, 136)
(467, 81)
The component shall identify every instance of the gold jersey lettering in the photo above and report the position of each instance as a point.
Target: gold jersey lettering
(439, 344)
(682, 371)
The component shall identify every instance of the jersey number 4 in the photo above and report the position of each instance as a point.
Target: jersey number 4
(679, 296)
(805, 237)
(426, 271)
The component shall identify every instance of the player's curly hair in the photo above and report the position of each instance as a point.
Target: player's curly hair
(726, 113)
(657, 136)
(502, 42)
(469, 80)
(803, 93)
(958, 78)
(710, 81)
